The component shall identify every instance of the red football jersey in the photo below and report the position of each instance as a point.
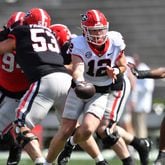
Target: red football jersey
(12, 77)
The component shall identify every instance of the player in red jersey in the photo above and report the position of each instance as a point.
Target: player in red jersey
(38, 55)
(13, 84)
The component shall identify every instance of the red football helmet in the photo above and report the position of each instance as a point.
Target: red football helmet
(62, 32)
(95, 27)
(37, 16)
(16, 16)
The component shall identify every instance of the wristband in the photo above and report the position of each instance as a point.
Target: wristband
(116, 70)
(77, 82)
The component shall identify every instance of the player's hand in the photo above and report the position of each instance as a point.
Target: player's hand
(6, 30)
(111, 73)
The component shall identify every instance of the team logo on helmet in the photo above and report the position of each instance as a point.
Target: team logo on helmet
(84, 17)
(27, 14)
(95, 27)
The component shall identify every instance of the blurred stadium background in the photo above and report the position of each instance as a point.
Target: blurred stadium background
(142, 23)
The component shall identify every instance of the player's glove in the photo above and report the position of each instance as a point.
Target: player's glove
(6, 30)
(4, 33)
(134, 70)
(84, 90)
(140, 74)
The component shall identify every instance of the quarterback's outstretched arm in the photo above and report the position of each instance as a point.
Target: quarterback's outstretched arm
(156, 73)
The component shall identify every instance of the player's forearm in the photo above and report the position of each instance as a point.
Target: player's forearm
(159, 72)
(78, 72)
(69, 68)
(156, 74)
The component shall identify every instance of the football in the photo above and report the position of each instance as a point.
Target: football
(85, 90)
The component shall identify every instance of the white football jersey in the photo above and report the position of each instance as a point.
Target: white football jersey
(95, 64)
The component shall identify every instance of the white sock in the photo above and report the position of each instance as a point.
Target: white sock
(99, 158)
(40, 160)
(72, 141)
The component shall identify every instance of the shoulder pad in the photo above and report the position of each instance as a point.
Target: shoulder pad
(117, 39)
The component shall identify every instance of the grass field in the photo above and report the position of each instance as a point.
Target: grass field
(80, 158)
(74, 162)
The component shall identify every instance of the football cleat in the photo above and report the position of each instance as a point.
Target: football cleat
(14, 155)
(104, 162)
(143, 150)
(65, 155)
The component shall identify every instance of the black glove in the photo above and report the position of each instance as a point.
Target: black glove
(140, 74)
(6, 30)
(4, 33)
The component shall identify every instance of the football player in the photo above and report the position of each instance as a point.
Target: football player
(64, 37)
(63, 158)
(13, 84)
(88, 146)
(38, 55)
(93, 61)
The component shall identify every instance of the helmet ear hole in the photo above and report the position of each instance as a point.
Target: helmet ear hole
(37, 16)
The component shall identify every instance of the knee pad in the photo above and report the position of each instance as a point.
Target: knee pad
(111, 138)
(23, 139)
(19, 137)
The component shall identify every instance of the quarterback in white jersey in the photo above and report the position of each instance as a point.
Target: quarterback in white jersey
(96, 62)
(97, 58)
(95, 65)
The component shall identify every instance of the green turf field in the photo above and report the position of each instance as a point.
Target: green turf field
(82, 158)
(74, 162)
